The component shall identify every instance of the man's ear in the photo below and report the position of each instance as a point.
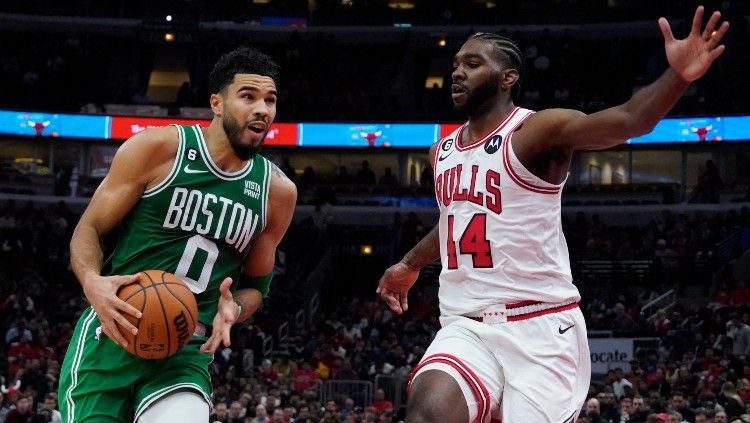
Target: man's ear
(510, 77)
(217, 104)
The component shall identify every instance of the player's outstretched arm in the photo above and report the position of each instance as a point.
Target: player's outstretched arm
(239, 306)
(689, 59)
(395, 283)
(137, 160)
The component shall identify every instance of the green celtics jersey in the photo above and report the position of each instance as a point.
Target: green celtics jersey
(198, 223)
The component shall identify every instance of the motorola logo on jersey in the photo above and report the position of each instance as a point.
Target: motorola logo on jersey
(445, 147)
(493, 144)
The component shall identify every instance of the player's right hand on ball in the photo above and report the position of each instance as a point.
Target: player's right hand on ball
(101, 291)
(394, 286)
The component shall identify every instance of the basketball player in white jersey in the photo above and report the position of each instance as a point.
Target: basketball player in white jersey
(513, 344)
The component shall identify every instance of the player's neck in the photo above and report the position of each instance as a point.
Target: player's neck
(220, 149)
(486, 120)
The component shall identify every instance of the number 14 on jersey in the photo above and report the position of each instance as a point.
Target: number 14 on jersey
(472, 242)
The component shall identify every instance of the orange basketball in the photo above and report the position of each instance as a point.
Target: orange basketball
(170, 314)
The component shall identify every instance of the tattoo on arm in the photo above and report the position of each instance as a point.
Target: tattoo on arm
(275, 169)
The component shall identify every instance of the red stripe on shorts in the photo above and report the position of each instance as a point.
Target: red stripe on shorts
(475, 383)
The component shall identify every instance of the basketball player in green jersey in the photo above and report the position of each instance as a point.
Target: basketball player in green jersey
(196, 202)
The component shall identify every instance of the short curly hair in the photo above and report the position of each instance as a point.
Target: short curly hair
(240, 60)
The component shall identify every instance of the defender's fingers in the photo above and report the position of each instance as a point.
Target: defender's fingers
(666, 31)
(715, 53)
(697, 20)
(711, 25)
(717, 35)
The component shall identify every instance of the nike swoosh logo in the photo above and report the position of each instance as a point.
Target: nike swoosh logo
(188, 170)
(441, 158)
(562, 331)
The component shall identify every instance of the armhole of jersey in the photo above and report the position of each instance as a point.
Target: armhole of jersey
(433, 159)
(531, 182)
(175, 166)
(267, 189)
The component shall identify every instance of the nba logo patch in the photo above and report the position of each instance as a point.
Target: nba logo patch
(493, 144)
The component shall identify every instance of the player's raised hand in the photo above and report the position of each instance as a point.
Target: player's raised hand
(101, 291)
(394, 286)
(226, 315)
(691, 57)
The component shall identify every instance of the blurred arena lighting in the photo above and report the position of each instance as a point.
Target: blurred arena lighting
(441, 42)
(261, 1)
(168, 18)
(401, 4)
(487, 3)
(365, 250)
(434, 81)
(169, 37)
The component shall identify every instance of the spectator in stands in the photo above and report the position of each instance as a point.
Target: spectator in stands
(730, 400)
(219, 414)
(308, 177)
(620, 383)
(739, 332)
(343, 176)
(261, 415)
(4, 405)
(607, 406)
(709, 185)
(19, 332)
(720, 417)
(285, 367)
(267, 372)
(380, 404)
(701, 416)
(346, 372)
(623, 321)
(365, 175)
(305, 378)
(592, 411)
(388, 178)
(49, 408)
(278, 416)
(288, 169)
(23, 413)
(426, 178)
(303, 415)
(681, 405)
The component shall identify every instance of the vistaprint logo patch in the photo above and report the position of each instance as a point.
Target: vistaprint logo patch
(252, 189)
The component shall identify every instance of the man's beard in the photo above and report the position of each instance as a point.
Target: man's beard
(233, 131)
(477, 97)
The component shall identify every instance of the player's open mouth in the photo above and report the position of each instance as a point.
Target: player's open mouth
(257, 127)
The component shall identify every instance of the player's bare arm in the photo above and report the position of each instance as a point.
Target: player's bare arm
(395, 283)
(243, 303)
(139, 163)
(689, 59)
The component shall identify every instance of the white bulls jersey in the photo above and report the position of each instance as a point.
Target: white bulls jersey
(501, 238)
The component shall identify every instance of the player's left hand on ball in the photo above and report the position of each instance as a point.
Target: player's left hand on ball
(227, 314)
(691, 57)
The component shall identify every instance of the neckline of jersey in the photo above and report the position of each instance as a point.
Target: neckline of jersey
(213, 166)
(469, 146)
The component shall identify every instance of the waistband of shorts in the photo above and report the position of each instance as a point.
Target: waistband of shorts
(202, 330)
(520, 311)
